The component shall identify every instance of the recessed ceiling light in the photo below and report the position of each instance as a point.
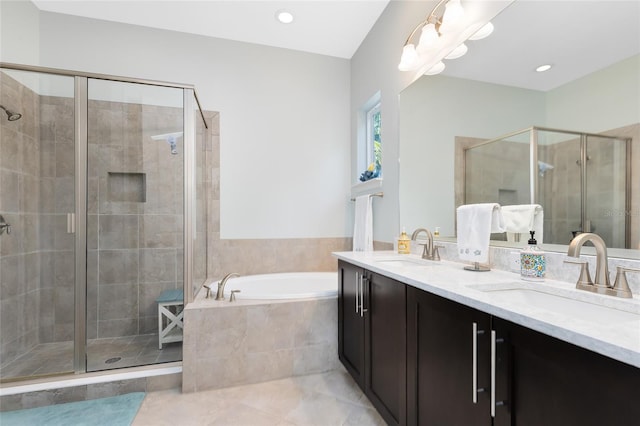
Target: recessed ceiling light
(284, 16)
(543, 68)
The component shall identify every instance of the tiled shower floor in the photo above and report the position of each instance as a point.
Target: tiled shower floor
(54, 358)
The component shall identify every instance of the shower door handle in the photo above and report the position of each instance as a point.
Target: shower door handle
(71, 223)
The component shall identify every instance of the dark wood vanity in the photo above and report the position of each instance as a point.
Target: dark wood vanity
(423, 359)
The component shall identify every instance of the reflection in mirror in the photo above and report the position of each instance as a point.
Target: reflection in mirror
(581, 181)
(593, 87)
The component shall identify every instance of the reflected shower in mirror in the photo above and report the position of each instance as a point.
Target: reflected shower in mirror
(592, 87)
(580, 180)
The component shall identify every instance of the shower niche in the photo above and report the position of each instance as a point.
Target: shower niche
(126, 187)
(581, 180)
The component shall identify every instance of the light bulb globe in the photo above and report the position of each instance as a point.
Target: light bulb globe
(436, 69)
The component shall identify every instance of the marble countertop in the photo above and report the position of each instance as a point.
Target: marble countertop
(615, 336)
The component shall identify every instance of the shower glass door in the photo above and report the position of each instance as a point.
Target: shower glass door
(559, 184)
(135, 220)
(606, 173)
(37, 252)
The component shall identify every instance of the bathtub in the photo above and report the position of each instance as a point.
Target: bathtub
(291, 285)
(281, 325)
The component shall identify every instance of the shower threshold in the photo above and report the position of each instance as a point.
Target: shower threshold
(53, 359)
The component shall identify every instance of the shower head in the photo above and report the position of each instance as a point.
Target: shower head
(11, 116)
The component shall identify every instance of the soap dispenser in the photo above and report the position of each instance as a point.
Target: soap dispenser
(533, 265)
(404, 243)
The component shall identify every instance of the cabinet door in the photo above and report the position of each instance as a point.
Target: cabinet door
(350, 321)
(385, 345)
(448, 376)
(545, 381)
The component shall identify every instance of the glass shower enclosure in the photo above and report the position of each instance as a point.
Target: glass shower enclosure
(581, 180)
(98, 193)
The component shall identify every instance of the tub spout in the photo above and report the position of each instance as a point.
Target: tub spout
(221, 284)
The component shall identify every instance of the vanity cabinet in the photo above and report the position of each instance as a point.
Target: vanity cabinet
(372, 338)
(350, 321)
(423, 359)
(448, 378)
(541, 380)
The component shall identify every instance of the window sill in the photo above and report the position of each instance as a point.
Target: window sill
(369, 187)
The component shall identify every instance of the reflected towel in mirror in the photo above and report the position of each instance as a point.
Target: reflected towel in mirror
(520, 219)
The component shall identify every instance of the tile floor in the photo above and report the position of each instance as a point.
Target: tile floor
(327, 399)
(55, 358)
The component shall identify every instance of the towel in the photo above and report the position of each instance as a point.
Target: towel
(475, 223)
(363, 225)
(520, 219)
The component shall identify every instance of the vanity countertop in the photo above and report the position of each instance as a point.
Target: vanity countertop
(617, 338)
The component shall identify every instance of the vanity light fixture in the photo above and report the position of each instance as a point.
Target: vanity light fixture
(441, 21)
(543, 68)
(483, 32)
(436, 69)
(457, 52)
(284, 16)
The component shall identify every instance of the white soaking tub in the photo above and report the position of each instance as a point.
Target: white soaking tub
(289, 285)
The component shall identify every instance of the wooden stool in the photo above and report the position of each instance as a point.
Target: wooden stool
(170, 313)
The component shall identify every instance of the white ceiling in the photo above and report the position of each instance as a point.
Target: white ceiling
(327, 27)
(576, 37)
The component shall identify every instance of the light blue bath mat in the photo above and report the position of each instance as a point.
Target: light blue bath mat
(114, 411)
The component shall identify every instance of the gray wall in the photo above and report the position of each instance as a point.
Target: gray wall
(284, 115)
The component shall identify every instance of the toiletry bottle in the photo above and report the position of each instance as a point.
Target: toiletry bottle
(532, 262)
(404, 243)
(436, 233)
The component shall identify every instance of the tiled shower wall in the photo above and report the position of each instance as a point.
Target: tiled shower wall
(20, 253)
(605, 177)
(135, 208)
(36, 184)
(496, 173)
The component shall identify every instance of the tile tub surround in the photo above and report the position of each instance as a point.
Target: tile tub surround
(620, 341)
(229, 344)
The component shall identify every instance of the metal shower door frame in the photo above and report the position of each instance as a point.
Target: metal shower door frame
(79, 216)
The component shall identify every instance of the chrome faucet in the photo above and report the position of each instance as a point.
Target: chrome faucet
(221, 284)
(430, 251)
(602, 283)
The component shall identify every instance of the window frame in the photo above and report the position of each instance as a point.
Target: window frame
(370, 134)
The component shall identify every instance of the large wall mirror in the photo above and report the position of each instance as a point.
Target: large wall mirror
(593, 87)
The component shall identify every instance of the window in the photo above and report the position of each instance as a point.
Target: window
(374, 147)
(373, 143)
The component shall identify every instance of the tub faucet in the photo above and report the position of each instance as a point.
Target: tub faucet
(221, 284)
(430, 251)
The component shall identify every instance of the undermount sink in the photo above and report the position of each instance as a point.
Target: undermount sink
(586, 310)
(406, 263)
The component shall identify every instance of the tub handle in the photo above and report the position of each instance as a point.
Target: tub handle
(208, 295)
(232, 298)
